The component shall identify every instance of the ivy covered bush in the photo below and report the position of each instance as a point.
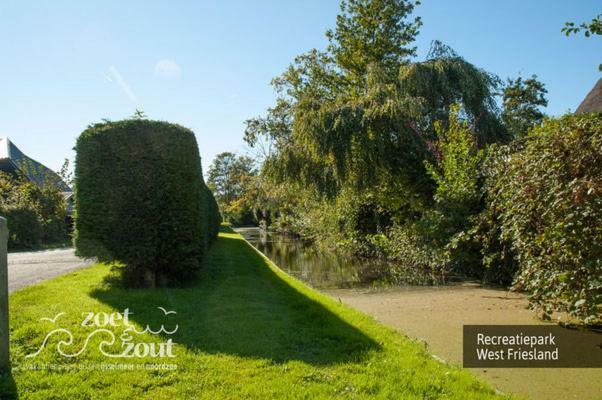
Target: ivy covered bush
(141, 200)
(549, 195)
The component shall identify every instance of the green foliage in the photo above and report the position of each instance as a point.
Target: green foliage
(456, 172)
(426, 243)
(522, 100)
(269, 133)
(364, 223)
(496, 261)
(354, 126)
(445, 79)
(589, 28)
(550, 196)
(457, 196)
(338, 120)
(35, 214)
(370, 152)
(141, 199)
(360, 116)
(372, 32)
(139, 114)
(231, 177)
(24, 227)
(65, 173)
(594, 27)
(276, 204)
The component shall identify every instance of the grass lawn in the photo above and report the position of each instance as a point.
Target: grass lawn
(245, 330)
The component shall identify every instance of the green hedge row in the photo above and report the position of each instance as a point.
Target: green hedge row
(141, 199)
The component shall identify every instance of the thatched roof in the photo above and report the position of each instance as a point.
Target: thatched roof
(593, 100)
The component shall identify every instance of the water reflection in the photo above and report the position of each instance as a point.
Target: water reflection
(324, 269)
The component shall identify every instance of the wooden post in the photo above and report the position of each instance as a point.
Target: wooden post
(4, 351)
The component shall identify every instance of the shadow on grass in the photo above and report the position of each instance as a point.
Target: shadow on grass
(8, 388)
(239, 306)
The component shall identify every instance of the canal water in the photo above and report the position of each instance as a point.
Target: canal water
(325, 269)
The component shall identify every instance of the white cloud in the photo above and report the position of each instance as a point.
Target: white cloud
(116, 76)
(168, 69)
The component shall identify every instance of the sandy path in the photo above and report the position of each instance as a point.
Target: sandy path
(27, 268)
(436, 315)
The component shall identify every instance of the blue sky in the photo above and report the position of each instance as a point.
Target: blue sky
(207, 64)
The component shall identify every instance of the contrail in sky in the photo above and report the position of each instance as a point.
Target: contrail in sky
(123, 84)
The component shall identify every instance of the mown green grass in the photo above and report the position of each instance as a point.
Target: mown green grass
(246, 330)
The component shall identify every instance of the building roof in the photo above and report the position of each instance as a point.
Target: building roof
(13, 161)
(593, 100)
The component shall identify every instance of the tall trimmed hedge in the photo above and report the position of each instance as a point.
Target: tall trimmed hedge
(214, 218)
(141, 199)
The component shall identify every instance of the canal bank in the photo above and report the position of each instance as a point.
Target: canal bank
(433, 314)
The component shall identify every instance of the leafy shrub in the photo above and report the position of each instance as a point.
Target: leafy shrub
(550, 199)
(496, 259)
(372, 224)
(412, 250)
(141, 199)
(35, 214)
(24, 227)
(457, 196)
(456, 172)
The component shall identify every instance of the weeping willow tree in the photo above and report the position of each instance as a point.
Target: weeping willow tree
(360, 116)
(445, 79)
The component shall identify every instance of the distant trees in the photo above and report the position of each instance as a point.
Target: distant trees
(522, 101)
(231, 178)
(36, 214)
(65, 173)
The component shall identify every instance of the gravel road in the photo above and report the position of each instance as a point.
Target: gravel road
(27, 268)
